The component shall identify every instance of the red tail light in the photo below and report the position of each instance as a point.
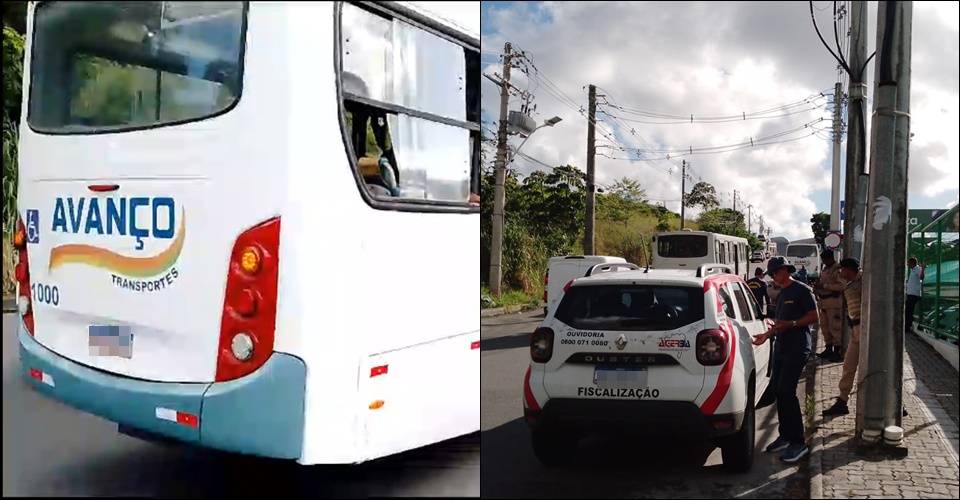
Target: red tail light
(22, 275)
(712, 347)
(566, 288)
(541, 345)
(250, 302)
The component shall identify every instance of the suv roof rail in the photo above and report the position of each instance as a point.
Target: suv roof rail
(706, 269)
(609, 267)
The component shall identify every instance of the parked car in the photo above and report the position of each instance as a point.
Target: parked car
(655, 352)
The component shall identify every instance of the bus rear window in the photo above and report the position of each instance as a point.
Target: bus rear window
(631, 307)
(801, 251)
(110, 66)
(682, 246)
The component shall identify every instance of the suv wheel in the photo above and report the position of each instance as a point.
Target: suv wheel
(737, 450)
(553, 448)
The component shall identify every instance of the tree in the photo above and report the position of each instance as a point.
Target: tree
(703, 195)
(820, 224)
(628, 189)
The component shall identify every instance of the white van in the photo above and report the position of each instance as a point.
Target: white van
(690, 249)
(805, 255)
(253, 226)
(562, 270)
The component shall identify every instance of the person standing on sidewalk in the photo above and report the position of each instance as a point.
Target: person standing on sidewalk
(829, 289)
(759, 289)
(849, 272)
(914, 290)
(796, 311)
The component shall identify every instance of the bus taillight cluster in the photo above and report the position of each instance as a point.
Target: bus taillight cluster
(250, 303)
(22, 273)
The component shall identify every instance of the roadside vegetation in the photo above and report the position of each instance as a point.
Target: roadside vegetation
(544, 217)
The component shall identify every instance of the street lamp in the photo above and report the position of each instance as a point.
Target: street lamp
(548, 123)
(499, 200)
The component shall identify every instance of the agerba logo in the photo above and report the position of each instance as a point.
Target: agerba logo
(138, 217)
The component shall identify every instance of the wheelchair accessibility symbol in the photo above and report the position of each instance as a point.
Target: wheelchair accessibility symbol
(33, 226)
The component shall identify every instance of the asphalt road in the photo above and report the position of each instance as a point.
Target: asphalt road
(667, 469)
(51, 449)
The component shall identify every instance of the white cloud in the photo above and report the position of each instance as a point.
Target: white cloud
(720, 59)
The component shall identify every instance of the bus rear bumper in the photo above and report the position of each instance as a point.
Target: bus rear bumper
(260, 414)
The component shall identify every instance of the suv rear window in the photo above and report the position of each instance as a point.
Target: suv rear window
(631, 307)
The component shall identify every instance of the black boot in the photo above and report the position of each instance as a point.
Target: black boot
(835, 354)
(826, 352)
(838, 408)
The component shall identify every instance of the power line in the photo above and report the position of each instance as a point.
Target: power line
(692, 117)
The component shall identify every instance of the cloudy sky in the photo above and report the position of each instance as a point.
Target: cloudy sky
(718, 59)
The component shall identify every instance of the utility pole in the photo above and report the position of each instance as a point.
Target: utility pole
(591, 152)
(835, 189)
(855, 188)
(496, 243)
(734, 200)
(880, 378)
(683, 191)
(749, 216)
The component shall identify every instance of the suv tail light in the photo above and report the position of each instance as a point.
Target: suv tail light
(250, 304)
(712, 347)
(541, 345)
(566, 288)
(22, 275)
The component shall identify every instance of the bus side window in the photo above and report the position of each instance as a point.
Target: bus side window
(413, 102)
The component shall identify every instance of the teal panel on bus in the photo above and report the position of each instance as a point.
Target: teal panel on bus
(261, 413)
(119, 399)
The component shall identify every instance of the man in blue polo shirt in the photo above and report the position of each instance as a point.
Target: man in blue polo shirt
(796, 311)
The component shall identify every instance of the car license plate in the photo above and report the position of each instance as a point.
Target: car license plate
(620, 376)
(111, 340)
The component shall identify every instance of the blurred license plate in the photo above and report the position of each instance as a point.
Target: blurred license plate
(619, 376)
(111, 340)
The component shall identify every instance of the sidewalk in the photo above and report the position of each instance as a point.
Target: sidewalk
(930, 467)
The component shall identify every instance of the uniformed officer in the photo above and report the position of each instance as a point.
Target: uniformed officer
(829, 289)
(796, 311)
(759, 289)
(849, 272)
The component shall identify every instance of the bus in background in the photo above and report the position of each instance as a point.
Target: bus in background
(261, 244)
(805, 255)
(689, 249)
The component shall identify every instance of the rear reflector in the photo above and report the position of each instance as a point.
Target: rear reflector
(46, 378)
(378, 370)
(179, 417)
(475, 345)
(103, 188)
(376, 405)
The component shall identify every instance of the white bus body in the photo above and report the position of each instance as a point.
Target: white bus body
(804, 255)
(162, 291)
(690, 249)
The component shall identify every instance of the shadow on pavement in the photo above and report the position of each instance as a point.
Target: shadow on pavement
(184, 471)
(613, 467)
(507, 342)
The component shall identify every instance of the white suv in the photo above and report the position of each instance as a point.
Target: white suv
(649, 352)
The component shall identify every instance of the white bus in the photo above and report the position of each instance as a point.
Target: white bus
(689, 249)
(254, 226)
(804, 255)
